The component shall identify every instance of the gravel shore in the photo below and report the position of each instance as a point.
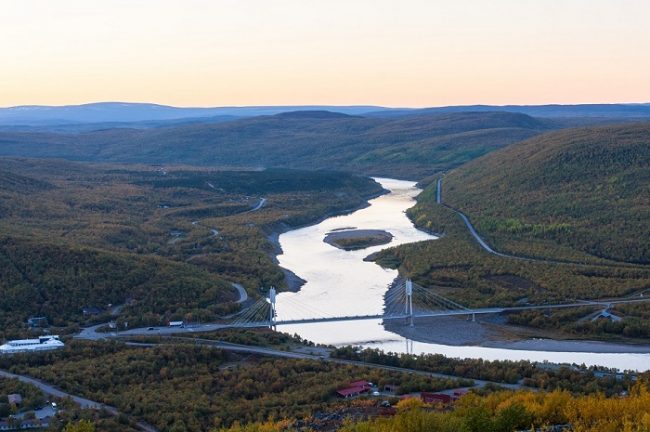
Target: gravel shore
(492, 331)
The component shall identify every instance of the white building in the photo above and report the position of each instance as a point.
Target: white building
(43, 343)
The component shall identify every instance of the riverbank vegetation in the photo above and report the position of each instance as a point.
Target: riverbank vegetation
(263, 337)
(548, 377)
(163, 243)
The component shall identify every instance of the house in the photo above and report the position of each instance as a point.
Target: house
(348, 392)
(391, 388)
(607, 315)
(131, 301)
(91, 310)
(355, 388)
(15, 399)
(34, 322)
(361, 383)
(435, 398)
(24, 424)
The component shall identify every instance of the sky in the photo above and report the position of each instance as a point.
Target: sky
(336, 52)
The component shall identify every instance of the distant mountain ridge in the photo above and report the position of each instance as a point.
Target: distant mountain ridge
(551, 111)
(137, 112)
(124, 112)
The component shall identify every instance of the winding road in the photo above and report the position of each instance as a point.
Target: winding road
(243, 295)
(259, 205)
(489, 249)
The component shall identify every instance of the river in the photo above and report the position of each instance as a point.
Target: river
(340, 283)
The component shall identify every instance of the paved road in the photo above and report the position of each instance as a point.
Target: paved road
(248, 349)
(90, 333)
(243, 295)
(489, 249)
(259, 205)
(81, 401)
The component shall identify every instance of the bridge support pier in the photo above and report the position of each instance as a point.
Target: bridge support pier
(272, 314)
(409, 300)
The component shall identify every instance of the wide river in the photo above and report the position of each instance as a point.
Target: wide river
(340, 283)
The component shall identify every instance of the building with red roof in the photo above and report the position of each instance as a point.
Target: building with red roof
(355, 388)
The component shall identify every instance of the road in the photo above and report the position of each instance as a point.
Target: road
(81, 401)
(90, 333)
(489, 249)
(244, 349)
(249, 349)
(243, 295)
(475, 234)
(259, 205)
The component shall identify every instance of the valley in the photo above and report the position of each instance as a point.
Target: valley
(202, 246)
(325, 216)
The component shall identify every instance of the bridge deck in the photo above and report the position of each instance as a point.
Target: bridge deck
(442, 313)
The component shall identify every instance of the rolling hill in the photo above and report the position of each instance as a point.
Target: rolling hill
(585, 189)
(577, 200)
(85, 235)
(410, 147)
(612, 111)
(106, 112)
(149, 115)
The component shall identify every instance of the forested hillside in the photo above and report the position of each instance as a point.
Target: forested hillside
(578, 198)
(168, 242)
(410, 147)
(584, 189)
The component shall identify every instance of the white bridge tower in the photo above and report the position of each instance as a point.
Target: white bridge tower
(272, 313)
(408, 286)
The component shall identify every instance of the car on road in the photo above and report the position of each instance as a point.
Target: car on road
(151, 328)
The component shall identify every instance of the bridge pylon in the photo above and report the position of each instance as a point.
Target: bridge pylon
(408, 307)
(272, 313)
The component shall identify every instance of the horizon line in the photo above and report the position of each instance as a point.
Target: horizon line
(360, 105)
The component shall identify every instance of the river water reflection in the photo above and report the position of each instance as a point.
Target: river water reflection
(340, 283)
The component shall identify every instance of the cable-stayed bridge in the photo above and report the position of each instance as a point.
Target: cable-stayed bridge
(404, 301)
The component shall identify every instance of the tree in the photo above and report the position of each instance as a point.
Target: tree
(80, 426)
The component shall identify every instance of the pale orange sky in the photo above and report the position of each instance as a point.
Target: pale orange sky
(280, 52)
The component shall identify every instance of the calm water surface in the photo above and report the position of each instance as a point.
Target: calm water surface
(340, 283)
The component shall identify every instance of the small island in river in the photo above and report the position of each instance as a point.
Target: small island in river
(357, 239)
